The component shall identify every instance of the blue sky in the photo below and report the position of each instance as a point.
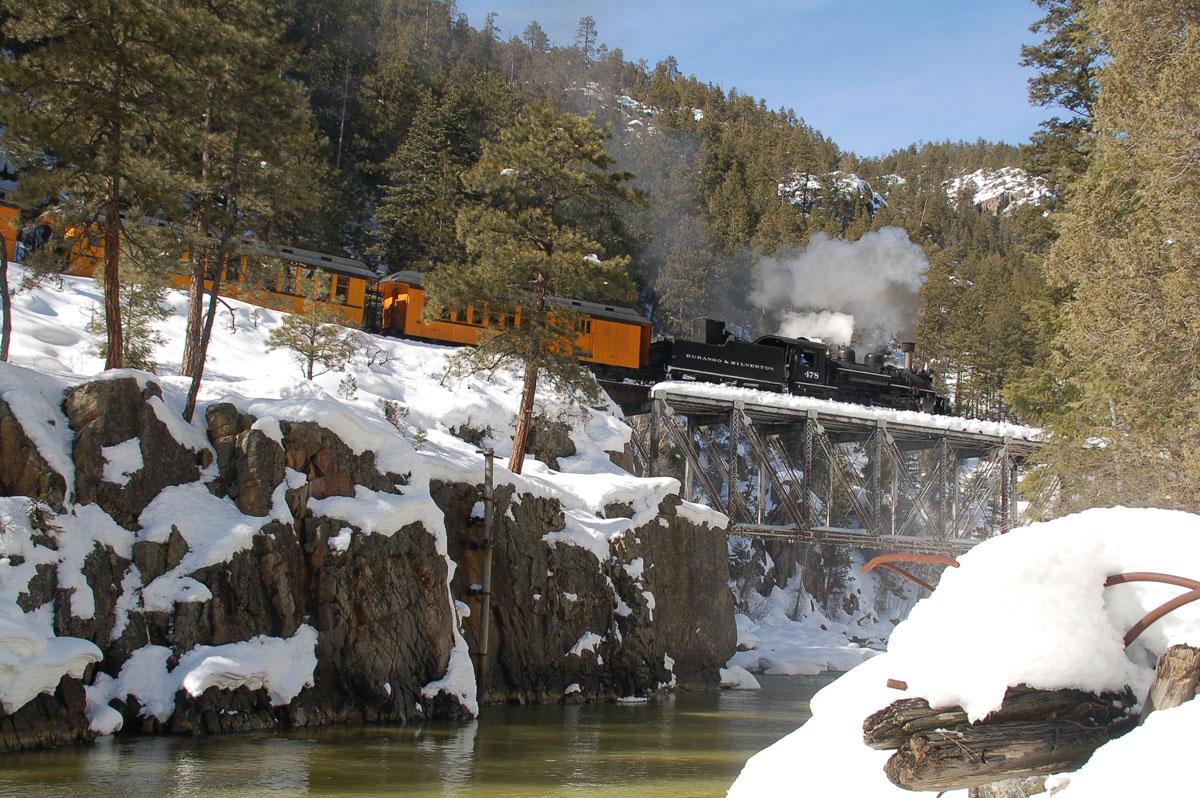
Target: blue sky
(874, 75)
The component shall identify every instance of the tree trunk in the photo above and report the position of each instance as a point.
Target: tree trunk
(193, 357)
(112, 272)
(5, 303)
(525, 415)
(1175, 679)
(197, 375)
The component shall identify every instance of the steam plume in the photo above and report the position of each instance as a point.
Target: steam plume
(875, 280)
(829, 326)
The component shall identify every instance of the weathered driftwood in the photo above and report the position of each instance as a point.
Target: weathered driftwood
(893, 725)
(1035, 732)
(970, 756)
(1175, 679)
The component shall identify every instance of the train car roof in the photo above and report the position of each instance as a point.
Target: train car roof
(594, 309)
(331, 263)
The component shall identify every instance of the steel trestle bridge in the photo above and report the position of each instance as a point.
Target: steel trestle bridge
(817, 471)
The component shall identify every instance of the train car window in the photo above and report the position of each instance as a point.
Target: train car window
(288, 285)
(341, 289)
(233, 268)
(510, 320)
(474, 316)
(584, 326)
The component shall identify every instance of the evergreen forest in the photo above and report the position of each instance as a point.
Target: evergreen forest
(357, 127)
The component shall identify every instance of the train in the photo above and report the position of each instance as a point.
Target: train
(801, 367)
(616, 342)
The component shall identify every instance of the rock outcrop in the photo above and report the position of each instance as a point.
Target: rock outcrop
(567, 626)
(276, 565)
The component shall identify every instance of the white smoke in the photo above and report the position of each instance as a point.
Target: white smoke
(875, 280)
(827, 326)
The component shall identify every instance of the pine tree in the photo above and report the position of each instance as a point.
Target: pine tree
(1127, 352)
(585, 39)
(315, 336)
(99, 87)
(539, 188)
(1067, 62)
(255, 168)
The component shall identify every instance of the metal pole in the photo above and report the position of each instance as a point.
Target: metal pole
(688, 473)
(655, 423)
(485, 609)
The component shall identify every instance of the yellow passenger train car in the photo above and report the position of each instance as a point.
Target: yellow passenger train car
(607, 335)
(10, 223)
(273, 277)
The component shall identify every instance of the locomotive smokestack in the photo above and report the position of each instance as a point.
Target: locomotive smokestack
(906, 349)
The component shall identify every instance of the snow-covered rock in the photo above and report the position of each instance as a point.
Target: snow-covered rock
(289, 511)
(995, 191)
(806, 190)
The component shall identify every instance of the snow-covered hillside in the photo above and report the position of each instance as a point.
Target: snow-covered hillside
(1029, 607)
(395, 401)
(997, 190)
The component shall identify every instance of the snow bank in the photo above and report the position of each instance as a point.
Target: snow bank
(282, 666)
(1028, 607)
(732, 394)
(33, 660)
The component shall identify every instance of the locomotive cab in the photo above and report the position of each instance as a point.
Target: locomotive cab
(807, 363)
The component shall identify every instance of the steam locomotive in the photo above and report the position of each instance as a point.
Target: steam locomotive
(797, 366)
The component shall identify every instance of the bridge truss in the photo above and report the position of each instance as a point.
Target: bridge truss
(820, 472)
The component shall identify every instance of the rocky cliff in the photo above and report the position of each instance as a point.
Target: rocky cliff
(253, 571)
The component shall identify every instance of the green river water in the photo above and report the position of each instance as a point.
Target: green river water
(690, 745)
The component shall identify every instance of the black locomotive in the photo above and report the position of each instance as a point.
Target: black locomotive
(798, 366)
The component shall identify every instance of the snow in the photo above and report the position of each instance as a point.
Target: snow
(459, 681)
(35, 400)
(731, 394)
(282, 666)
(122, 461)
(385, 514)
(804, 189)
(214, 528)
(1163, 748)
(32, 661)
(1028, 607)
(587, 642)
(986, 185)
(735, 677)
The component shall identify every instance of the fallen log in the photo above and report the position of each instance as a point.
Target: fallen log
(893, 725)
(1033, 733)
(971, 756)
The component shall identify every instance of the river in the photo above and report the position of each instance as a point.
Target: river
(688, 745)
